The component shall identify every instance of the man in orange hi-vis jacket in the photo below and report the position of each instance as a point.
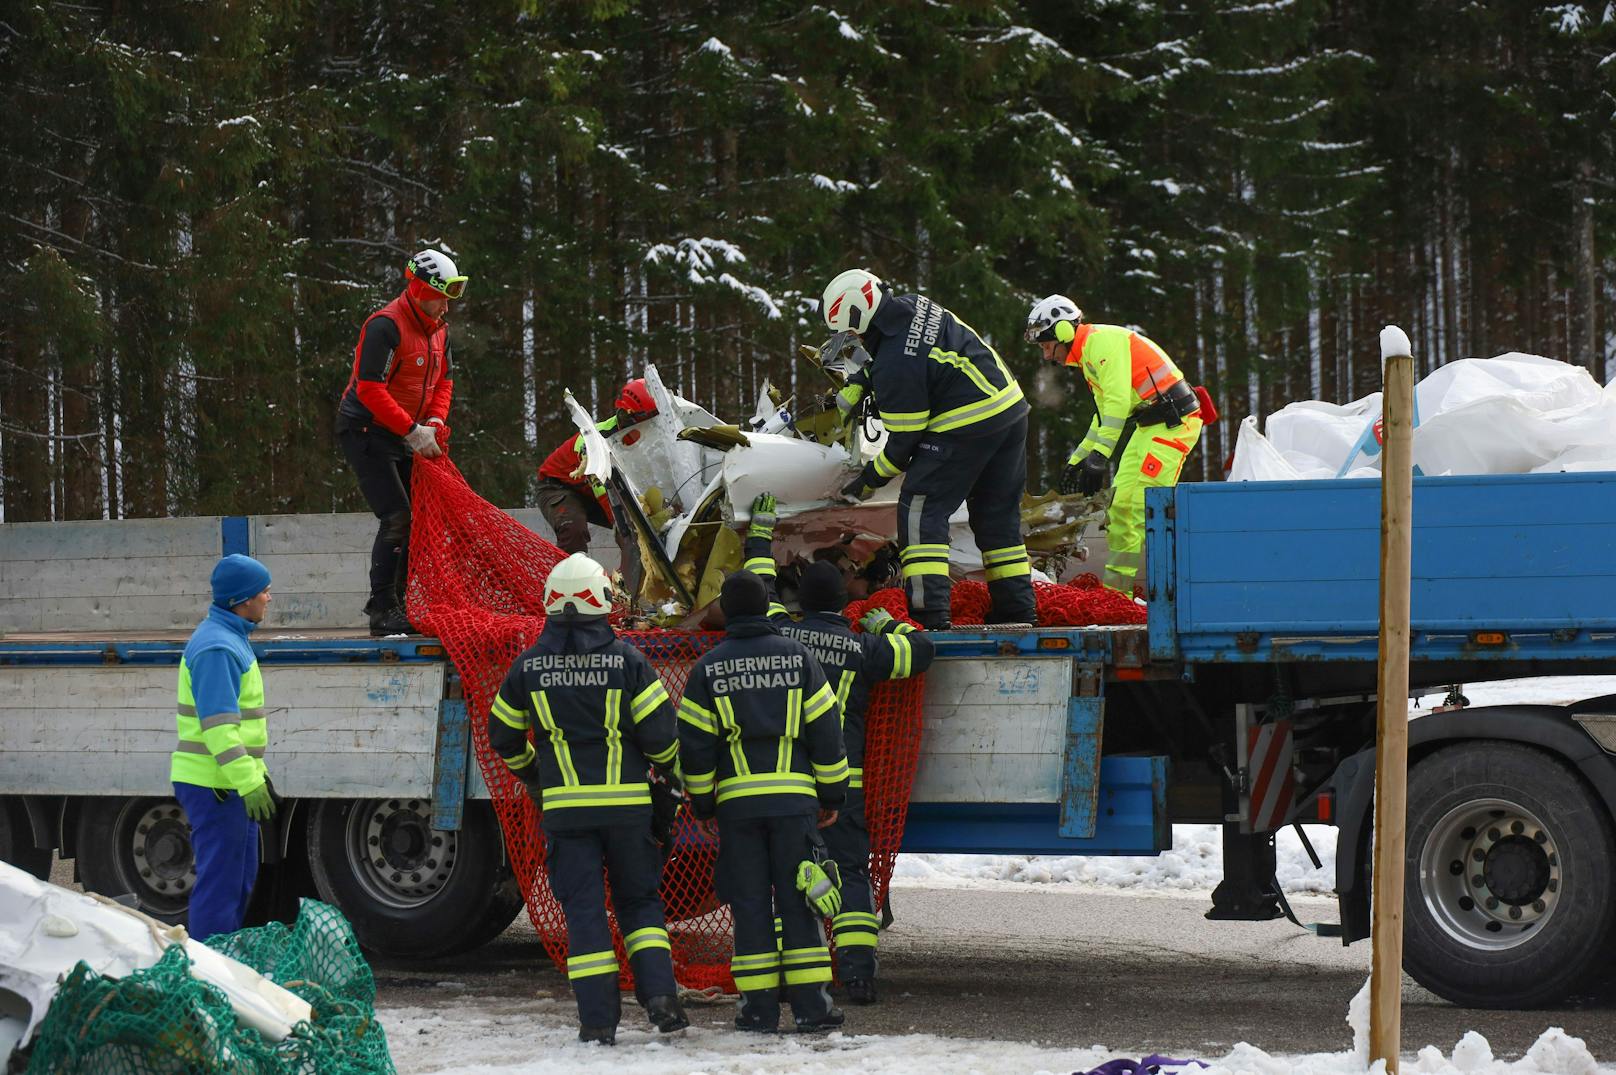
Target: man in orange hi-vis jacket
(1131, 378)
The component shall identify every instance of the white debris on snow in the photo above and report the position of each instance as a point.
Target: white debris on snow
(539, 1037)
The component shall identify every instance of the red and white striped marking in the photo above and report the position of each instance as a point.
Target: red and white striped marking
(1271, 780)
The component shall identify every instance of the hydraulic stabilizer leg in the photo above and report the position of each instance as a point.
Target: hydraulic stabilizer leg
(1248, 891)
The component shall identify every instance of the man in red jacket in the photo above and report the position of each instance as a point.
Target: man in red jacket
(568, 499)
(394, 408)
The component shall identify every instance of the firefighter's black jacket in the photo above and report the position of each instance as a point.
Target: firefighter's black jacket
(855, 662)
(759, 731)
(931, 374)
(599, 714)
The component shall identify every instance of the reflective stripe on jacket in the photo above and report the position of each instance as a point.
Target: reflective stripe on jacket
(932, 375)
(1123, 370)
(759, 729)
(598, 715)
(220, 717)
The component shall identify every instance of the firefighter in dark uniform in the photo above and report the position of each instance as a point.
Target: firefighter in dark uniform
(761, 742)
(601, 715)
(956, 426)
(852, 663)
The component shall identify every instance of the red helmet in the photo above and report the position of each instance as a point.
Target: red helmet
(636, 400)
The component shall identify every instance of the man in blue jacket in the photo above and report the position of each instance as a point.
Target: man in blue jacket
(956, 428)
(761, 741)
(218, 767)
(853, 664)
(602, 717)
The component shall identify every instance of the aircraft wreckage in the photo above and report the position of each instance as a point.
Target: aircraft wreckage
(681, 486)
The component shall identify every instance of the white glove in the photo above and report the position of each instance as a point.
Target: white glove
(422, 441)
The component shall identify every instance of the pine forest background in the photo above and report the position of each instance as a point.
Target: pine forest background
(204, 198)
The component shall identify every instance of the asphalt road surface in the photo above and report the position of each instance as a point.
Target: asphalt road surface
(1076, 967)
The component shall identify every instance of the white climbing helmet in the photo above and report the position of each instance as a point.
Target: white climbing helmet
(1048, 315)
(437, 271)
(851, 300)
(580, 584)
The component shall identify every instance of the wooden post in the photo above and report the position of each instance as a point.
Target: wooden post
(1391, 738)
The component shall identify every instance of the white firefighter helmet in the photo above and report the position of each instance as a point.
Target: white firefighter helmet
(1048, 315)
(580, 584)
(851, 300)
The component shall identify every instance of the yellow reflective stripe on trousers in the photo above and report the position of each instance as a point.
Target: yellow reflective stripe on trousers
(804, 966)
(649, 937)
(591, 964)
(758, 971)
(745, 787)
(614, 735)
(761, 566)
(855, 929)
(558, 740)
(732, 728)
(597, 795)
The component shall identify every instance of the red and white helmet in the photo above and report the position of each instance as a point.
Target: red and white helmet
(636, 401)
(580, 584)
(851, 300)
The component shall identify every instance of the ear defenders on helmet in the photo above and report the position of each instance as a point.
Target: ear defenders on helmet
(1065, 332)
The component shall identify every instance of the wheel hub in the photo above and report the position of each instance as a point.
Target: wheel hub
(160, 844)
(1490, 873)
(395, 852)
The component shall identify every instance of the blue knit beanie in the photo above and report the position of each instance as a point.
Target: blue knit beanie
(238, 578)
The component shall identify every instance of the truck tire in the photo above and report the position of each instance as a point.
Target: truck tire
(138, 846)
(17, 842)
(1510, 895)
(410, 890)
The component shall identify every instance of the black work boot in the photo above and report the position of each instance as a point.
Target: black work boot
(861, 990)
(832, 1019)
(666, 1013)
(606, 1035)
(390, 622)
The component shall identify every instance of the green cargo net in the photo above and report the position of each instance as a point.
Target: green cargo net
(161, 1021)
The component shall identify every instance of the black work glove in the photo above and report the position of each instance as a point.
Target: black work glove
(1087, 477)
(858, 489)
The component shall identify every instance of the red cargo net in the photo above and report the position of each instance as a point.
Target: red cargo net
(477, 582)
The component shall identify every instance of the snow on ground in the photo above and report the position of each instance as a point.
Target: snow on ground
(539, 1037)
(1195, 861)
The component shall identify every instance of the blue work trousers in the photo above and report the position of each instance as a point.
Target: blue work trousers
(224, 843)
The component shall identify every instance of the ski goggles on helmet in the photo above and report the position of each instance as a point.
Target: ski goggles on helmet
(451, 288)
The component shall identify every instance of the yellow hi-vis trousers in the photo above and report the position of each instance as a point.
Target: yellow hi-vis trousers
(1152, 460)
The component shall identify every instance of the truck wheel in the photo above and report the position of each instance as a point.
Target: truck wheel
(17, 842)
(1510, 897)
(140, 846)
(408, 889)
